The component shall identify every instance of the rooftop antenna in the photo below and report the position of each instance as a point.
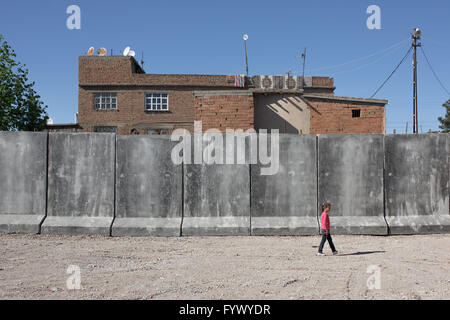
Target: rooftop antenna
(245, 37)
(304, 63)
(142, 60)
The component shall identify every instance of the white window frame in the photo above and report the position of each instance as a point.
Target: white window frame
(154, 101)
(105, 101)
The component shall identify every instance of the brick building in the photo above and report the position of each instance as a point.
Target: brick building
(116, 95)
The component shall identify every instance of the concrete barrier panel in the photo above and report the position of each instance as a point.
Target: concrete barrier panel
(216, 198)
(351, 179)
(149, 188)
(23, 163)
(286, 203)
(417, 183)
(80, 183)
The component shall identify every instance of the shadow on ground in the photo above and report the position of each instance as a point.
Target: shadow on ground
(360, 253)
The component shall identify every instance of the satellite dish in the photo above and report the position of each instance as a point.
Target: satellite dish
(245, 37)
(91, 51)
(101, 52)
(132, 53)
(126, 51)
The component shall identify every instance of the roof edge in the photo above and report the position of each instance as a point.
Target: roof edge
(351, 99)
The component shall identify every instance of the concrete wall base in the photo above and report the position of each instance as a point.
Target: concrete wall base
(77, 225)
(284, 226)
(359, 226)
(410, 225)
(20, 223)
(141, 227)
(216, 226)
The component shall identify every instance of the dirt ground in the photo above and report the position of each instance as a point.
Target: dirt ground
(410, 267)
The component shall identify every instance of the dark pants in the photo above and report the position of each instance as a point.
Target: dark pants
(326, 237)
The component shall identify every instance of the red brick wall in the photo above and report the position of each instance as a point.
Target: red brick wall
(335, 117)
(225, 112)
(115, 74)
(131, 111)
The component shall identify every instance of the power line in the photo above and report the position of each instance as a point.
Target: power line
(359, 59)
(369, 63)
(434, 73)
(390, 76)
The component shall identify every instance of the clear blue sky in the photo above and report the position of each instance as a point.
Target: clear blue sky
(206, 37)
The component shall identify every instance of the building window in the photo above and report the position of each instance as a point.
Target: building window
(105, 129)
(105, 101)
(157, 102)
(356, 113)
(158, 131)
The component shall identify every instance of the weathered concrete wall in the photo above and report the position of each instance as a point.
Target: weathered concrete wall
(417, 184)
(23, 163)
(80, 183)
(149, 188)
(351, 179)
(286, 203)
(217, 198)
(372, 182)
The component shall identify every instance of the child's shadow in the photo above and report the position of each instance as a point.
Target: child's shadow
(360, 253)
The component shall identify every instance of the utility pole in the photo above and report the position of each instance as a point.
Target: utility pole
(416, 36)
(407, 128)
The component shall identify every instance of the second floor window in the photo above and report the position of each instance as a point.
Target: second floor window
(105, 101)
(157, 102)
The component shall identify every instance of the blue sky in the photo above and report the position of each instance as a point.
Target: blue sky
(206, 37)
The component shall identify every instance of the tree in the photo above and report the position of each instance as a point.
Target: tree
(20, 106)
(445, 122)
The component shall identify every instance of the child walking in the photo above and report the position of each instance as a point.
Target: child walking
(325, 229)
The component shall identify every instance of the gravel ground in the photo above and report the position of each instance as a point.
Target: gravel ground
(410, 267)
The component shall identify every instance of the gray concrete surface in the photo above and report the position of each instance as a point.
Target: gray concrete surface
(149, 188)
(351, 179)
(417, 184)
(217, 198)
(80, 183)
(286, 203)
(23, 163)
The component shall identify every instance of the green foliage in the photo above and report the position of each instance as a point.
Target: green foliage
(20, 106)
(445, 122)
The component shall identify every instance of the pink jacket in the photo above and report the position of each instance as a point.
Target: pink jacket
(325, 221)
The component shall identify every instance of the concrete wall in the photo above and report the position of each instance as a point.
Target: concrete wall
(149, 188)
(417, 183)
(217, 196)
(375, 183)
(286, 203)
(23, 171)
(80, 183)
(351, 179)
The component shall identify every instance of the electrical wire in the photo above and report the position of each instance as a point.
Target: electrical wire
(392, 73)
(361, 58)
(434, 73)
(369, 63)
